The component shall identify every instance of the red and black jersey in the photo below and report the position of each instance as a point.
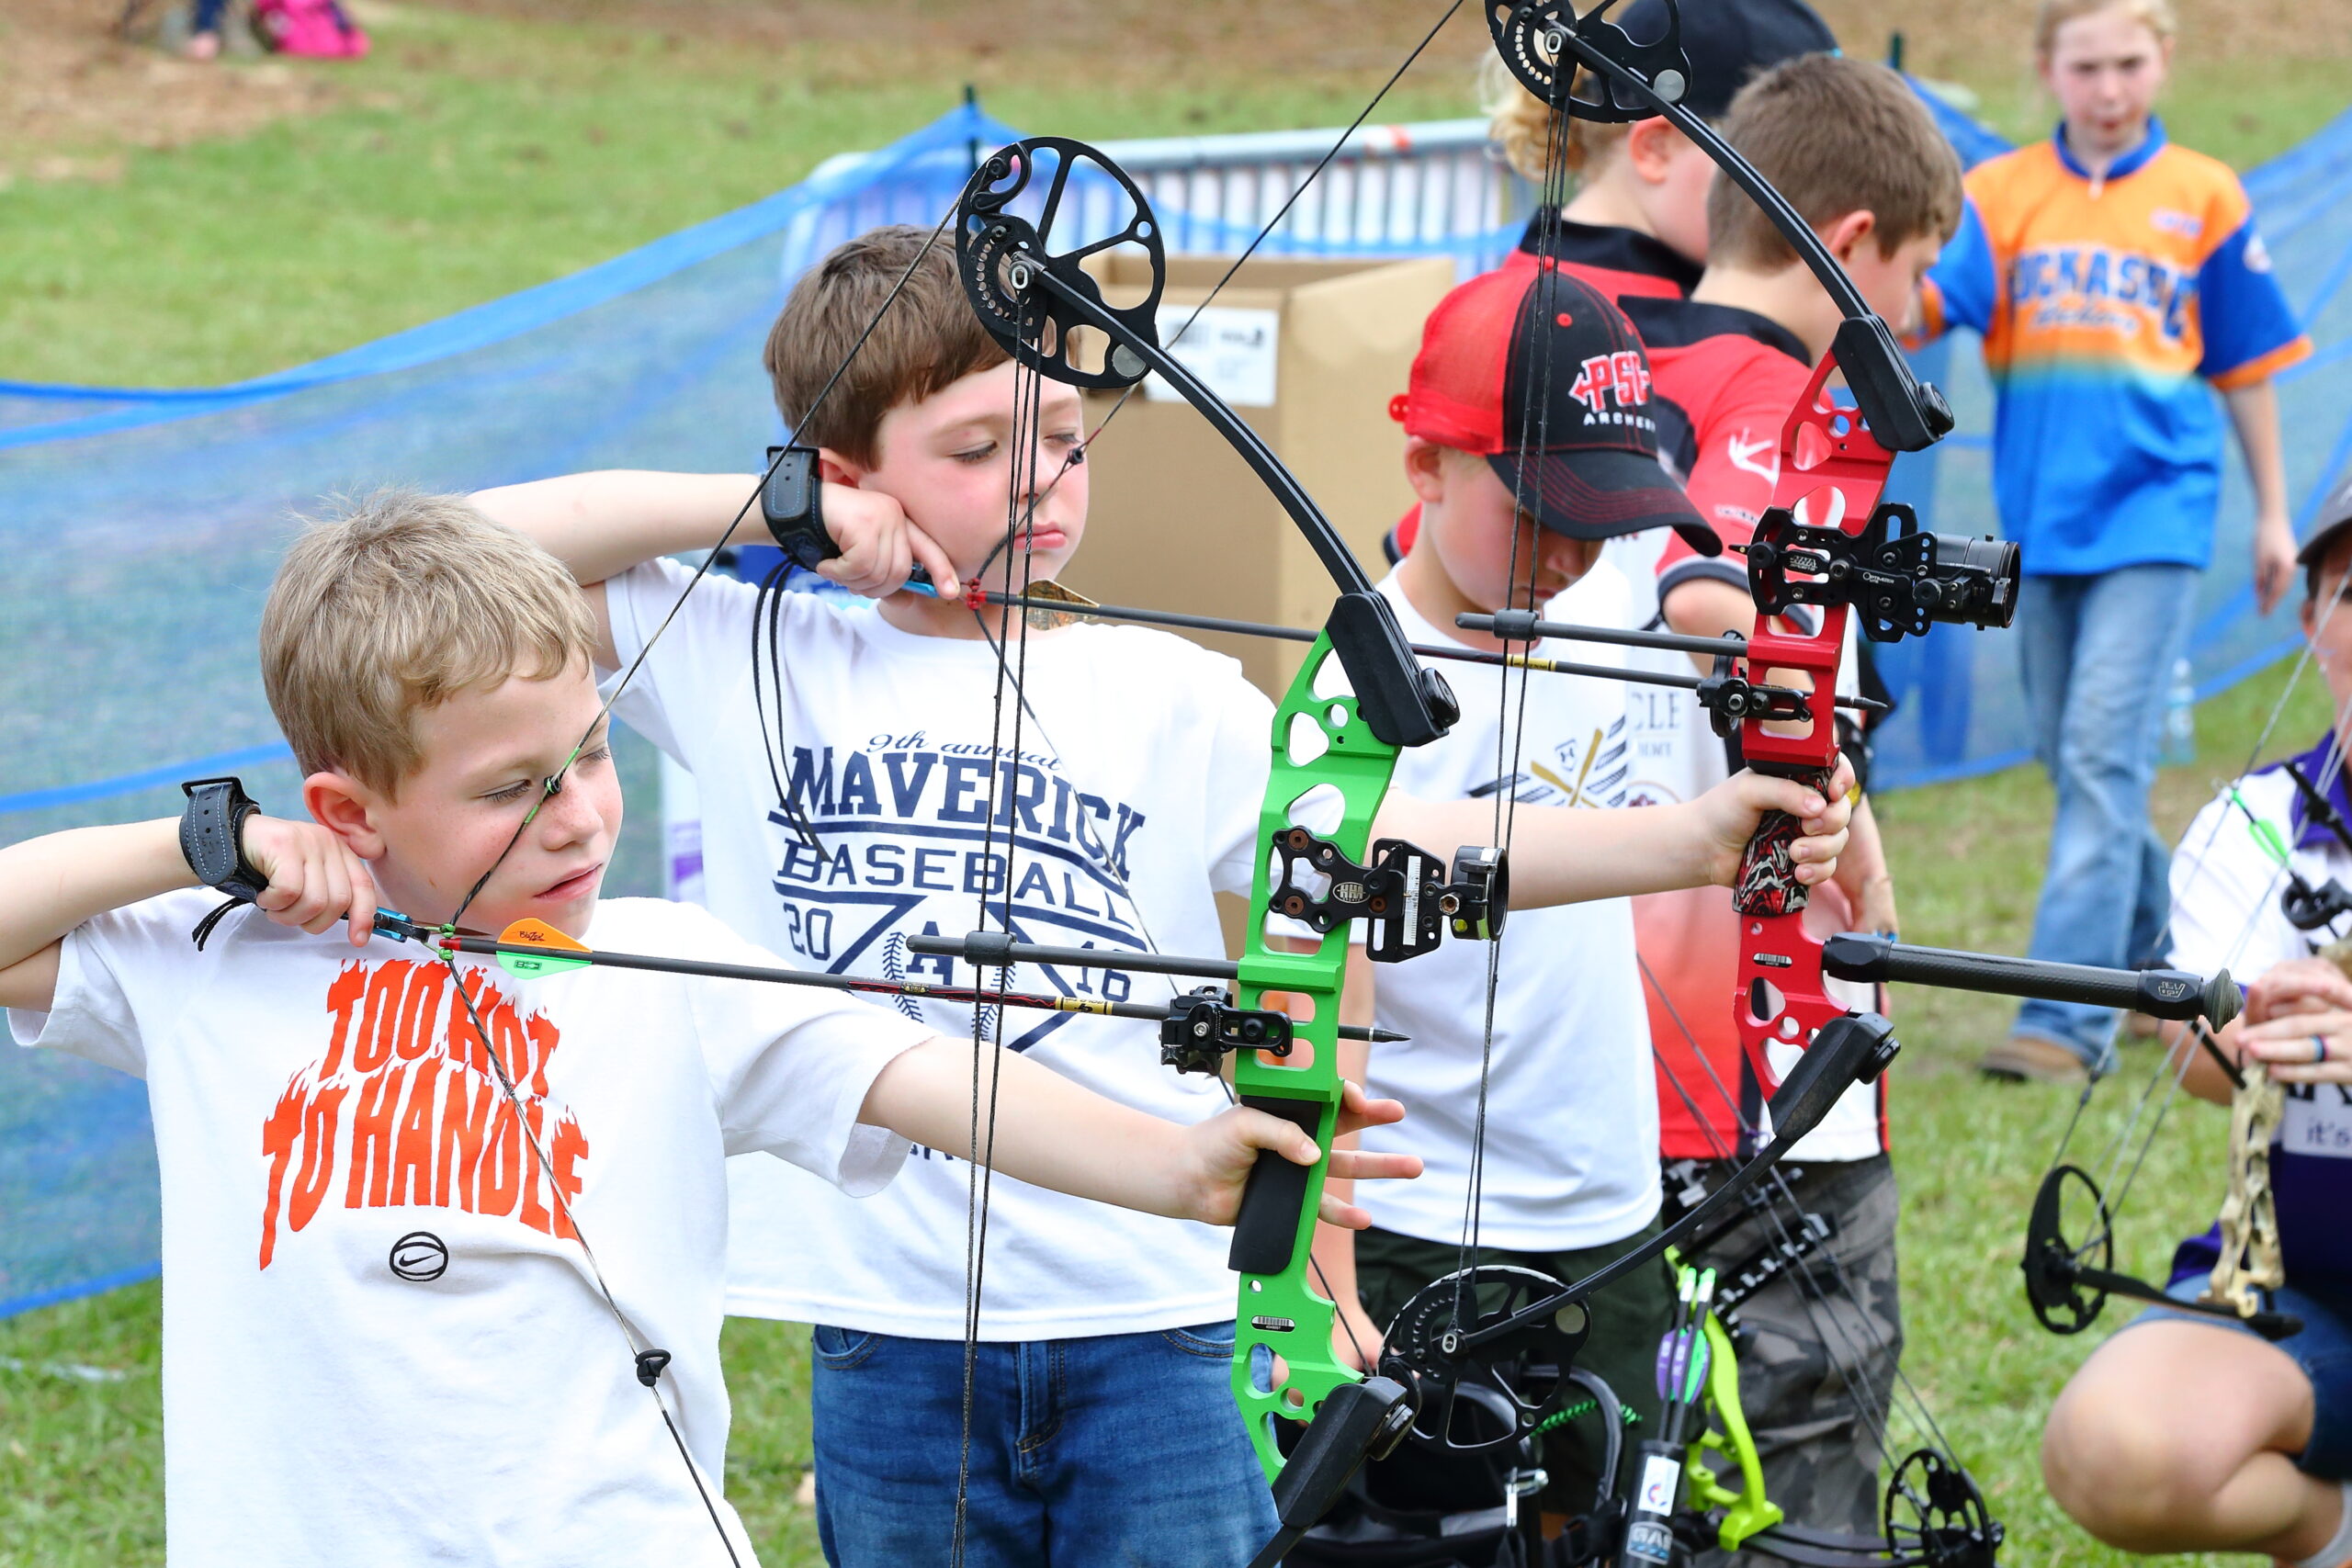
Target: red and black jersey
(1624, 263)
(1723, 382)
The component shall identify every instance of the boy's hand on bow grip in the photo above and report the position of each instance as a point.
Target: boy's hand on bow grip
(315, 880)
(880, 545)
(1225, 1150)
(1734, 809)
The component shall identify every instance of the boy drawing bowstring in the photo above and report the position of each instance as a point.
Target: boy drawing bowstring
(1155, 722)
(433, 670)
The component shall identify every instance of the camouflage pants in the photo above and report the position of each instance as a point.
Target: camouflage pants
(1629, 1317)
(1817, 1354)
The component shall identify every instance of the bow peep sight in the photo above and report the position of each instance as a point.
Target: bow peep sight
(1898, 580)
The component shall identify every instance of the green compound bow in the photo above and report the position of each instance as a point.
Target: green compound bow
(1356, 701)
(1933, 1515)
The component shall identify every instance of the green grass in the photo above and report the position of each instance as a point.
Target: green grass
(478, 156)
(473, 156)
(2239, 109)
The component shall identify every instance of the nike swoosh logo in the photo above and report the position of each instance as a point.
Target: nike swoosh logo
(1745, 452)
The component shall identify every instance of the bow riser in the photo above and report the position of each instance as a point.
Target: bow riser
(1832, 471)
(1318, 740)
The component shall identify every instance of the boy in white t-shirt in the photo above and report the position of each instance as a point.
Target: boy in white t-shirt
(1102, 1408)
(1564, 1160)
(386, 1339)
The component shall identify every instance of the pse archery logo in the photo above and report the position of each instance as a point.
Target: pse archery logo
(404, 1107)
(1622, 378)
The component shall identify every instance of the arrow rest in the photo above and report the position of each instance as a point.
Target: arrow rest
(1202, 1028)
(1000, 253)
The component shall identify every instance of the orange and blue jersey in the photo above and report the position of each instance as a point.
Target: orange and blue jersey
(2108, 307)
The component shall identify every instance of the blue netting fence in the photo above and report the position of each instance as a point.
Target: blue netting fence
(142, 526)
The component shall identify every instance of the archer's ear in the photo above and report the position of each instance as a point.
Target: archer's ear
(835, 469)
(1651, 145)
(1849, 232)
(345, 807)
(1425, 469)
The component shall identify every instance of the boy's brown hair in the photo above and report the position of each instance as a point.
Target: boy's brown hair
(392, 606)
(929, 338)
(1835, 136)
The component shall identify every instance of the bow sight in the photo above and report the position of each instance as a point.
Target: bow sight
(1898, 580)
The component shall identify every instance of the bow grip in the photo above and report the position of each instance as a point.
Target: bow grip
(1266, 1230)
(1767, 884)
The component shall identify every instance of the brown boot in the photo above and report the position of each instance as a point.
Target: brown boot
(2034, 1059)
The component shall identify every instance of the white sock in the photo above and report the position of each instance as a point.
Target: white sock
(2339, 1546)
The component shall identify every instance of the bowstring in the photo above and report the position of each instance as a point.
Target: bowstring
(1532, 438)
(1028, 385)
(640, 1347)
(553, 784)
(1266, 229)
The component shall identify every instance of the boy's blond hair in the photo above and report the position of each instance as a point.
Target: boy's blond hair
(928, 339)
(395, 604)
(1835, 136)
(2157, 15)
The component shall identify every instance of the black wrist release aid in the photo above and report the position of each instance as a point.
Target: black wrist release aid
(212, 841)
(790, 504)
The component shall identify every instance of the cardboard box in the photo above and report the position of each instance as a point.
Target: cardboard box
(1309, 352)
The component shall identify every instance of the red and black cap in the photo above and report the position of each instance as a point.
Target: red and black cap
(1545, 379)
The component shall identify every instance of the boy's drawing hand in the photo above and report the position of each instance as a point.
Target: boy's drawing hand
(880, 545)
(1225, 1148)
(1733, 807)
(314, 879)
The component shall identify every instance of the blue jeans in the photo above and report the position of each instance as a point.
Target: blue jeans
(2096, 653)
(1125, 1449)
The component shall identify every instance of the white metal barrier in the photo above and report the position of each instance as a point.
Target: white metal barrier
(1435, 188)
